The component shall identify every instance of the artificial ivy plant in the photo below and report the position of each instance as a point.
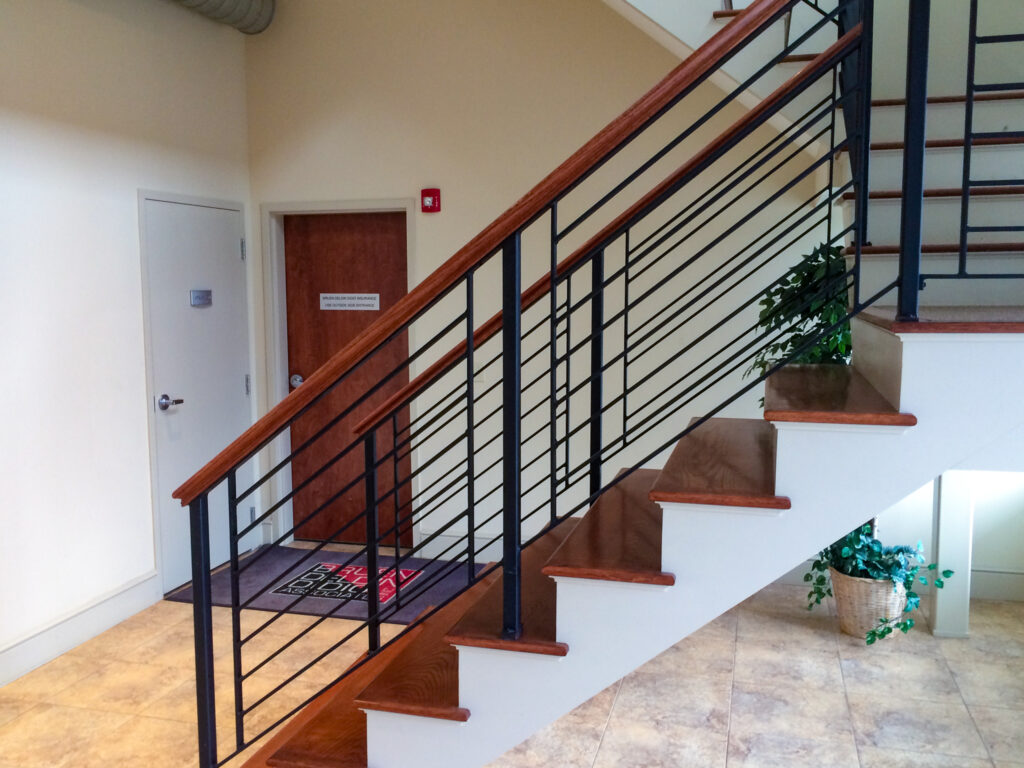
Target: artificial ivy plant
(861, 555)
(804, 310)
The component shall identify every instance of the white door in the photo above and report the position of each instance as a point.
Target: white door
(195, 292)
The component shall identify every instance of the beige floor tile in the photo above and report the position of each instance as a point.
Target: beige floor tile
(122, 686)
(871, 757)
(815, 631)
(179, 703)
(167, 612)
(1002, 730)
(786, 600)
(122, 638)
(174, 647)
(893, 722)
(711, 652)
(642, 744)
(701, 702)
(49, 736)
(791, 751)
(918, 641)
(11, 707)
(759, 661)
(570, 742)
(920, 677)
(775, 721)
(984, 647)
(51, 678)
(999, 684)
(143, 741)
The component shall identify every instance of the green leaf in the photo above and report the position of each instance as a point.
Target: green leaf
(939, 583)
(946, 574)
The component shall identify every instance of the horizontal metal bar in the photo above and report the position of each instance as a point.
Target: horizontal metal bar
(995, 228)
(987, 39)
(997, 87)
(984, 135)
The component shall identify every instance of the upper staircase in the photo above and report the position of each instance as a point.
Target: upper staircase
(575, 429)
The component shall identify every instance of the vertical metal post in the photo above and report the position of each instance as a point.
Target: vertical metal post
(913, 159)
(236, 612)
(553, 370)
(965, 192)
(511, 358)
(863, 147)
(372, 544)
(202, 622)
(470, 434)
(596, 368)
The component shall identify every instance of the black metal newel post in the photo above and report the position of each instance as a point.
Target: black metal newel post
(863, 147)
(202, 622)
(372, 545)
(913, 159)
(511, 358)
(965, 191)
(596, 369)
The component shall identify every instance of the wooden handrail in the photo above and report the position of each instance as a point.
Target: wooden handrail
(540, 288)
(690, 72)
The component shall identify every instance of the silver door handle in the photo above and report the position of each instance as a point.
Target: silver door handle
(166, 402)
(296, 379)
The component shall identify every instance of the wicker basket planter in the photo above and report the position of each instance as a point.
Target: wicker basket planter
(860, 603)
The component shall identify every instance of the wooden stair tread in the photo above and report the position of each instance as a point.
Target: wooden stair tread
(897, 194)
(723, 462)
(828, 394)
(481, 624)
(798, 58)
(619, 539)
(939, 248)
(991, 141)
(1000, 96)
(331, 730)
(950, 320)
(423, 679)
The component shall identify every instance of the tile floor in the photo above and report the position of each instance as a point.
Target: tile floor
(767, 684)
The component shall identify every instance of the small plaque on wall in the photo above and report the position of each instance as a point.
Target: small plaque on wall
(350, 301)
(200, 298)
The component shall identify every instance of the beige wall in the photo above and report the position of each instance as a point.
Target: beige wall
(98, 98)
(358, 101)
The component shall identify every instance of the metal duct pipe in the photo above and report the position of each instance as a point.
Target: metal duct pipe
(248, 16)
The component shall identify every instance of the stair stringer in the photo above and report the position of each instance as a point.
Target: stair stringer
(964, 389)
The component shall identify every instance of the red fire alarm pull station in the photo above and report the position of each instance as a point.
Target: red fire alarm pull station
(430, 200)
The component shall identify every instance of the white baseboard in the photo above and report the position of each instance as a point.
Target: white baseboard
(26, 654)
(995, 585)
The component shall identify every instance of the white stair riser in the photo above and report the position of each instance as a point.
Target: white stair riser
(879, 271)
(941, 219)
(946, 121)
(962, 388)
(944, 167)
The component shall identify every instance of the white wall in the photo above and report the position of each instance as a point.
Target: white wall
(98, 98)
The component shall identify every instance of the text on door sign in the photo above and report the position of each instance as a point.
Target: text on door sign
(357, 301)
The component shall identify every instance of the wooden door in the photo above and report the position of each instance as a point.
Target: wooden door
(345, 253)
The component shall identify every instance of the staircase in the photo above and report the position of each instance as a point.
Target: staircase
(595, 444)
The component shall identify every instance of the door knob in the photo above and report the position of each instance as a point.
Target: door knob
(166, 402)
(296, 379)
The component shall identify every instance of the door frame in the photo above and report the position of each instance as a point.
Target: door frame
(275, 311)
(145, 195)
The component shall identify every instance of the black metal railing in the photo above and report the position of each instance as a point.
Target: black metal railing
(453, 444)
(973, 236)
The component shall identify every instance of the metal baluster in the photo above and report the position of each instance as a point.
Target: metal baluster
(553, 365)
(236, 611)
(863, 145)
(596, 368)
(511, 291)
(372, 544)
(397, 505)
(913, 159)
(202, 621)
(470, 429)
(965, 199)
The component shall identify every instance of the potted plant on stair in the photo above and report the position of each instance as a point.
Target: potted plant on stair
(873, 584)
